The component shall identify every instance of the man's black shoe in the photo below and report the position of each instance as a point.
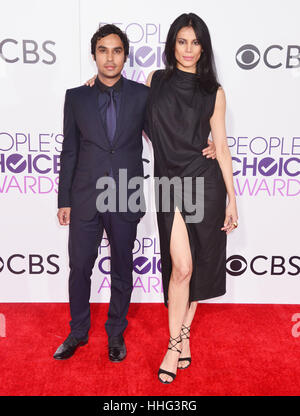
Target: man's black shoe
(116, 348)
(68, 347)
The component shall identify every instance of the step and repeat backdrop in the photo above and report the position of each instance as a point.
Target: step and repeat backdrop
(45, 49)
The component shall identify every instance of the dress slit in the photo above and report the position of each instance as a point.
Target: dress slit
(192, 251)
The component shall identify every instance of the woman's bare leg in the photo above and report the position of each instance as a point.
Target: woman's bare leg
(178, 292)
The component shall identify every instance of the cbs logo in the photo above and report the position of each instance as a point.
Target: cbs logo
(260, 265)
(33, 264)
(27, 51)
(275, 56)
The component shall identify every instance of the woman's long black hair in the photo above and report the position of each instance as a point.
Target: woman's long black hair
(205, 69)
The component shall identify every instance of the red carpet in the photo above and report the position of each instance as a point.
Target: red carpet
(236, 350)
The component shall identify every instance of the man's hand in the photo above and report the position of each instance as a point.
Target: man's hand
(63, 215)
(210, 150)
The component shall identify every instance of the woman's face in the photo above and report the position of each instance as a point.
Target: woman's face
(187, 49)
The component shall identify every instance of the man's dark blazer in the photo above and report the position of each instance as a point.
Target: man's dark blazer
(87, 153)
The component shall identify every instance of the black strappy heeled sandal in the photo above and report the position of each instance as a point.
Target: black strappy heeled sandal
(185, 334)
(173, 342)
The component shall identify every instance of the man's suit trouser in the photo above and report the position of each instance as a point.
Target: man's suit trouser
(84, 240)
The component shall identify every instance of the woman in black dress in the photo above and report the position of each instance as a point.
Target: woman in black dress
(186, 102)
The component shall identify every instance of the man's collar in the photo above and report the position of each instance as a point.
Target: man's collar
(104, 88)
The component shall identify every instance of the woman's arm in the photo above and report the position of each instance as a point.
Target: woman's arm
(149, 79)
(218, 132)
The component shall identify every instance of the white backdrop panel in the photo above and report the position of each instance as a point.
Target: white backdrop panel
(262, 123)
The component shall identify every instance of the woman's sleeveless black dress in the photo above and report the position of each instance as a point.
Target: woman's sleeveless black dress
(178, 125)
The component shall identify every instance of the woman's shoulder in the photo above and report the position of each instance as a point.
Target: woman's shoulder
(159, 73)
(219, 93)
(214, 92)
(215, 87)
(154, 76)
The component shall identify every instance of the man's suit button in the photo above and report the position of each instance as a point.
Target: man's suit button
(112, 151)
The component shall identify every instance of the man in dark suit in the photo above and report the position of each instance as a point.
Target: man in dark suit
(102, 134)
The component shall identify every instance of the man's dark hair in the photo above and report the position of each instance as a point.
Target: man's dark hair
(109, 30)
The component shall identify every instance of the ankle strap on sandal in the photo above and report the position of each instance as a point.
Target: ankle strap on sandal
(185, 332)
(174, 342)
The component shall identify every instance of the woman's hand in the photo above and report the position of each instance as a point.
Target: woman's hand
(210, 150)
(91, 81)
(231, 217)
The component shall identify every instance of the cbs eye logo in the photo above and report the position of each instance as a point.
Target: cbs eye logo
(274, 56)
(247, 57)
(236, 265)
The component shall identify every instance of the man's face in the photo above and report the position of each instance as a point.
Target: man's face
(110, 57)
